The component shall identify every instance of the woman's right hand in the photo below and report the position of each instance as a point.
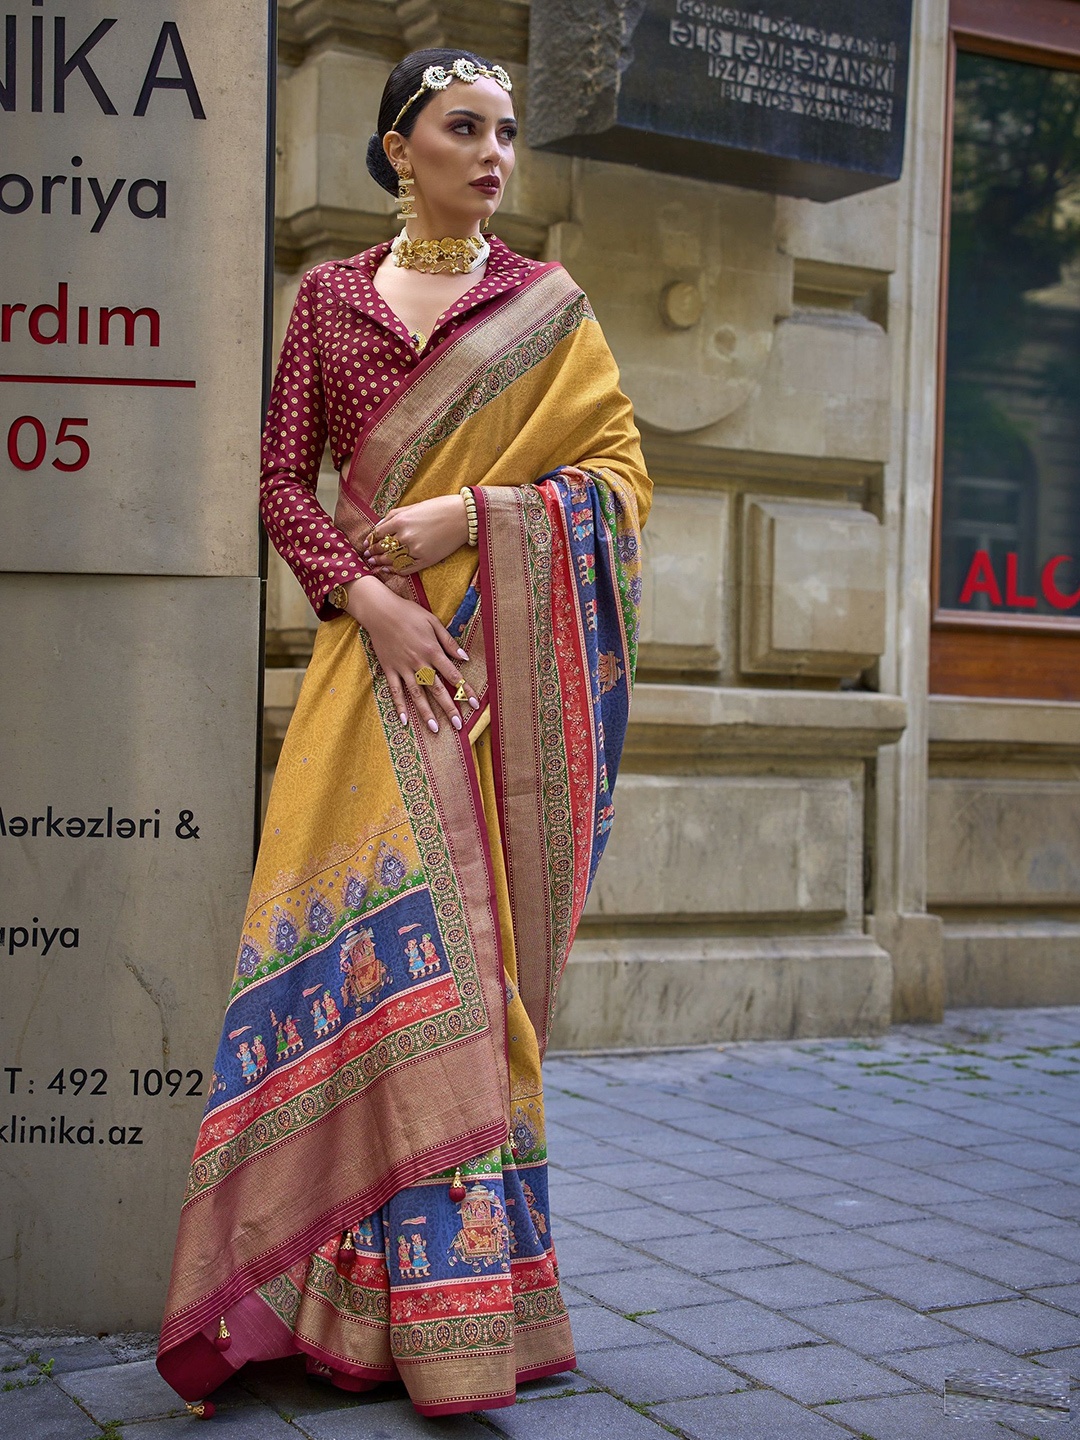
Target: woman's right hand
(405, 638)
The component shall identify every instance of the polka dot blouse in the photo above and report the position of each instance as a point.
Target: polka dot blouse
(345, 354)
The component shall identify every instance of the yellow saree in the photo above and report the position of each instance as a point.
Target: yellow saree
(414, 902)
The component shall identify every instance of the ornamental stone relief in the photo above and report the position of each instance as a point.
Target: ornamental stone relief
(688, 283)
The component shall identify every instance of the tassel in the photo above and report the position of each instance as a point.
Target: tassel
(223, 1339)
(347, 1251)
(457, 1188)
(201, 1409)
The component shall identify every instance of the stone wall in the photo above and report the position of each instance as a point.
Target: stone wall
(766, 874)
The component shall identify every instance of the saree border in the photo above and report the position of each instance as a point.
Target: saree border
(456, 380)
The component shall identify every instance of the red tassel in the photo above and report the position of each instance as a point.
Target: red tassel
(457, 1188)
(202, 1410)
(223, 1339)
(347, 1251)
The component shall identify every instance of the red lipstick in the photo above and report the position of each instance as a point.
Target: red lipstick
(487, 183)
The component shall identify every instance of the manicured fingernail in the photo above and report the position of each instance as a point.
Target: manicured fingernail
(474, 702)
(461, 655)
(433, 726)
(455, 720)
(403, 718)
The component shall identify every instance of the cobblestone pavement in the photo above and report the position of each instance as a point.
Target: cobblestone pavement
(796, 1241)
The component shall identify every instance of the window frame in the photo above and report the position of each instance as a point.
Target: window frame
(1000, 654)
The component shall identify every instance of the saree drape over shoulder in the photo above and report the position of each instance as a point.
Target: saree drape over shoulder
(415, 899)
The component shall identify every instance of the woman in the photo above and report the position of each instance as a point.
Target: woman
(369, 1185)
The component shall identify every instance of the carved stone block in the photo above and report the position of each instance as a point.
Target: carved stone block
(725, 846)
(685, 544)
(813, 600)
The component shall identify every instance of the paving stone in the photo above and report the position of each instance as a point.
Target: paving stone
(649, 1287)
(784, 1183)
(930, 1367)
(711, 1254)
(991, 1176)
(569, 1382)
(1067, 1360)
(786, 1287)
(876, 1327)
(733, 1327)
(753, 1415)
(590, 1254)
(932, 1238)
(665, 1371)
(913, 1417)
(257, 1422)
(721, 1161)
(595, 1328)
(648, 1222)
(390, 1420)
(788, 1147)
(86, 1353)
(1031, 1154)
(1019, 1266)
(698, 1195)
(1065, 1297)
(1063, 1240)
(1019, 1325)
(122, 1392)
(584, 1417)
(816, 1373)
(998, 1216)
(768, 1222)
(931, 1284)
(854, 1208)
(42, 1412)
(570, 1197)
(723, 1125)
(1060, 1200)
(841, 1252)
(919, 1188)
(916, 1153)
(284, 1385)
(634, 1175)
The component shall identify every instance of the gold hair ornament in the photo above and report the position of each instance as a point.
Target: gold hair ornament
(436, 77)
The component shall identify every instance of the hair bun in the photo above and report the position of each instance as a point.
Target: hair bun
(379, 167)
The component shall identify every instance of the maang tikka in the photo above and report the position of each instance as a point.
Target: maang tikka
(406, 198)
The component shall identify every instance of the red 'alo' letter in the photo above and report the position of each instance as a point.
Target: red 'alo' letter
(1012, 593)
(981, 580)
(1049, 584)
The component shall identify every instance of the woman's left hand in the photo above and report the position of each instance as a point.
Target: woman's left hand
(428, 531)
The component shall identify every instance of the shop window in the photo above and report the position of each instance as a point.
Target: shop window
(1007, 602)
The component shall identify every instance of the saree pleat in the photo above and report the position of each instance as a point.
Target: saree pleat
(414, 901)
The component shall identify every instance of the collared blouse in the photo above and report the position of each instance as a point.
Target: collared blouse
(344, 353)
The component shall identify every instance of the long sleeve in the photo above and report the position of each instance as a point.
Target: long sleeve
(293, 440)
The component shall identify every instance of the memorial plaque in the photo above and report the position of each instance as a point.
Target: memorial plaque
(801, 97)
(134, 214)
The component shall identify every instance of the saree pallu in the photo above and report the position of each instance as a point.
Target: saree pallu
(414, 902)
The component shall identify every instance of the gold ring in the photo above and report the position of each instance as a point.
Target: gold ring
(400, 560)
(390, 543)
(425, 675)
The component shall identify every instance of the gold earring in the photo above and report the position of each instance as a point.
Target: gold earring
(484, 225)
(406, 198)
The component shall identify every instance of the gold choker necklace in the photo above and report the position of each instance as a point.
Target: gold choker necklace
(449, 256)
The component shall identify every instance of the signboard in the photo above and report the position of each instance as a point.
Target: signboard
(803, 97)
(134, 221)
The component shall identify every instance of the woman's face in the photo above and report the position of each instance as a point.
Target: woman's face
(461, 154)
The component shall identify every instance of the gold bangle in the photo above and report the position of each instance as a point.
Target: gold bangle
(470, 512)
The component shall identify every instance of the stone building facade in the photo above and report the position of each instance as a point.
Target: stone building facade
(807, 840)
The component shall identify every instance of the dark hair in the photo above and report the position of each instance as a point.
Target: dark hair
(404, 81)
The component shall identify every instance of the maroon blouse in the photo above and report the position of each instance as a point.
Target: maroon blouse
(345, 351)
